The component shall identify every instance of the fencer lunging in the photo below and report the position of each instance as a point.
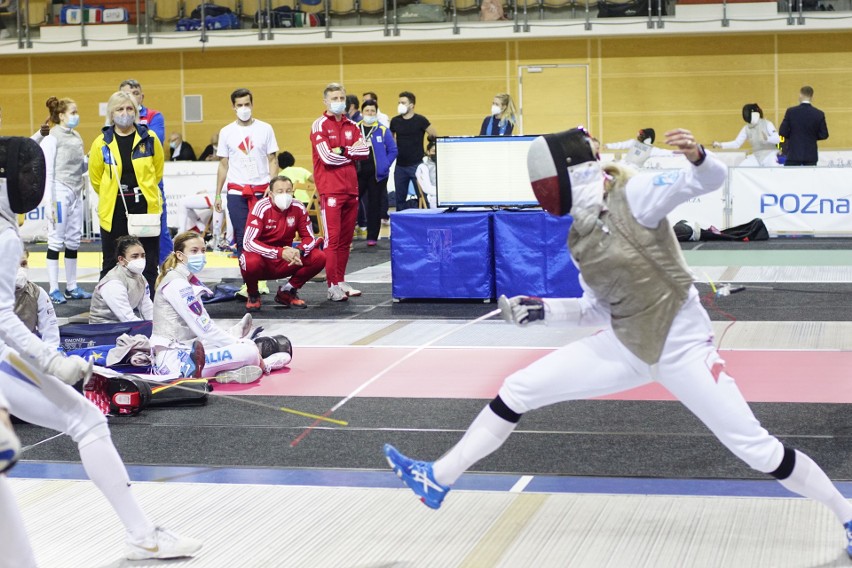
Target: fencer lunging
(36, 378)
(635, 283)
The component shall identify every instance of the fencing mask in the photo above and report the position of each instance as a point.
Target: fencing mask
(750, 108)
(22, 165)
(273, 344)
(564, 171)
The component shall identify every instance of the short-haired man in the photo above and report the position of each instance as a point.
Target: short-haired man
(247, 149)
(408, 130)
(268, 251)
(156, 122)
(801, 128)
(337, 144)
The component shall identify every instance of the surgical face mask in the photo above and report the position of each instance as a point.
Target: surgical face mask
(370, 120)
(21, 277)
(587, 186)
(434, 158)
(282, 200)
(337, 107)
(124, 120)
(73, 121)
(196, 262)
(136, 266)
(244, 113)
(755, 118)
(172, 144)
(402, 108)
(496, 109)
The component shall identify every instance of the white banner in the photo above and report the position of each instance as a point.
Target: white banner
(793, 201)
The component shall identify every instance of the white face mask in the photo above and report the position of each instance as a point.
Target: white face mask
(282, 200)
(136, 266)
(587, 186)
(402, 108)
(337, 107)
(496, 109)
(244, 113)
(21, 278)
(755, 118)
(370, 120)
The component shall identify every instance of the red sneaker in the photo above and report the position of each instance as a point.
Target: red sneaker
(253, 303)
(290, 298)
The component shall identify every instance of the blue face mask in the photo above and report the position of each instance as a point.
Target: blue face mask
(73, 121)
(196, 262)
(337, 107)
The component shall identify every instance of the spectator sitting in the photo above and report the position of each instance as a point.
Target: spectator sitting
(209, 153)
(297, 174)
(33, 306)
(427, 175)
(179, 149)
(268, 251)
(123, 294)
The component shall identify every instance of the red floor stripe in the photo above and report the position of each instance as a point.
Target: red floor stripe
(763, 376)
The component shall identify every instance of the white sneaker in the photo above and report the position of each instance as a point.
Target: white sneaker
(243, 375)
(336, 294)
(162, 544)
(349, 290)
(276, 361)
(242, 328)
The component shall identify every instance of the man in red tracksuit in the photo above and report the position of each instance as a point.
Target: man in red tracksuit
(268, 251)
(337, 143)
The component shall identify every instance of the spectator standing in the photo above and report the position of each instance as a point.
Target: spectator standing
(353, 108)
(337, 143)
(801, 128)
(501, 121)
(373, 173)
(408, 130)
(372, 96)
(125, 169)
(179, 150)
(156, 122)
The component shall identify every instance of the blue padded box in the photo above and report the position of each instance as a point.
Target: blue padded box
(438, 254)
(531, 255)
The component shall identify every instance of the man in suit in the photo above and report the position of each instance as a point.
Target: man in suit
(803, 125)
(180, 150)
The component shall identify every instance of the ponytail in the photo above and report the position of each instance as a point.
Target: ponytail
(169, 264)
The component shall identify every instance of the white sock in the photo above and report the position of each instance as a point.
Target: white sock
(70, 273)
(487, 433)
(16, 550)
(808, 479)
(53, 274)
(286, 287)
(106, 470)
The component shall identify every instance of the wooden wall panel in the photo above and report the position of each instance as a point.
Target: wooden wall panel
(14, 97)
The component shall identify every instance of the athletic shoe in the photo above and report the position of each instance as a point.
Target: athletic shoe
(290, 298)
(262, 287)
(417, 475)
(361, 233)
(243, 375)
(194, 364)
(77, 294)
(276, 361)
(349, 290)
(371, 243)
(10, 446)
(243, 291)
(336, 294)
(162, 544)
(253, 303)
(848, 527)
(56, 297)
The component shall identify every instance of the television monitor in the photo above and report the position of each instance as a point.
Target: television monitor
(484, 171)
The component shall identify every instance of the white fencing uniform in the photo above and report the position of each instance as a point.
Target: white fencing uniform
(34, 308)
(763, 139)
(180, 318)
(196, 211)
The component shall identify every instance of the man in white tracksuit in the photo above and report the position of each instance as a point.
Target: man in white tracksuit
(636, 283)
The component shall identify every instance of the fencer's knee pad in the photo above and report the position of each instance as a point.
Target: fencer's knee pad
(70, 253)
(500, 408)
(788, 462)
(273, 344)
(53, 254)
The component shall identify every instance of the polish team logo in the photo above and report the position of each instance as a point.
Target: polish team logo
(291, 221)
(246, 146)
(347, 135)
(332, 202)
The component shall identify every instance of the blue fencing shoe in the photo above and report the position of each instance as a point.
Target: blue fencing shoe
(193, 364)
(56, 297)
(417, 475)
(77, 294)
(848, 527)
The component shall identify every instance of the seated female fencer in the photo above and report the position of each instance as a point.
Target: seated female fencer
(123, 293)
(33, 306)
(180, 318)
(195, 212)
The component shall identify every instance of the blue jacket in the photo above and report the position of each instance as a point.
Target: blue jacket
(384, 149)
(802, 127)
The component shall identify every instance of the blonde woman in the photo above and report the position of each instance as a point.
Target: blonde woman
(181, 319)
(501, 121)
(64, 158)
(125, 167)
